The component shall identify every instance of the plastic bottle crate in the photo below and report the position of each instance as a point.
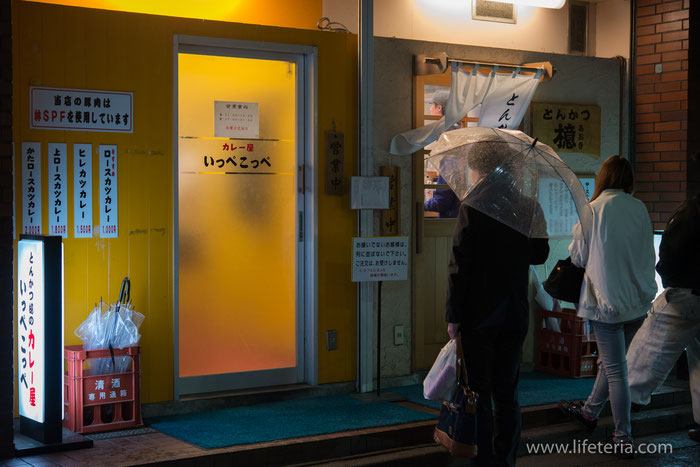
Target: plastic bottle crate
(570, 353)
(95, 403)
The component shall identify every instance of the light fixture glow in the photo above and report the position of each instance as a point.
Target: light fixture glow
(538, 3)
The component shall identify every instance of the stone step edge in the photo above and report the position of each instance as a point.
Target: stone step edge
(643, 423)
(365, 445)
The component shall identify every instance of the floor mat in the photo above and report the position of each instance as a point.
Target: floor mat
(534, 388)
(283, 420)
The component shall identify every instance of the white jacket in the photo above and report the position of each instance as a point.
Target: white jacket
(619, 283)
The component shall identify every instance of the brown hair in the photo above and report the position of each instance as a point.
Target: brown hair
(615, 173)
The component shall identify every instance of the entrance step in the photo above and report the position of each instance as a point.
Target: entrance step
(411, 444)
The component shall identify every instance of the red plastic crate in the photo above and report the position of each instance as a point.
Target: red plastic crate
(104, 402)
(570, 353)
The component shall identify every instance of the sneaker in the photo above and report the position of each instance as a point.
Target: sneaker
(573, 410)
(623, 449)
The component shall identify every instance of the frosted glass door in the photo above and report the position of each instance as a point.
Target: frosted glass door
(238, 208)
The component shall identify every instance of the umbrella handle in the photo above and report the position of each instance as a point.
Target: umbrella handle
(111, 352)
(121, 291)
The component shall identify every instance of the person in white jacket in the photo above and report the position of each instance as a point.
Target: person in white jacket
(617, 291)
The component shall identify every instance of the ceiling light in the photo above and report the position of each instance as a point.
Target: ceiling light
(539, 3)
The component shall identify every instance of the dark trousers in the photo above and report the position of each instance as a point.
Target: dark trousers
(492, 356)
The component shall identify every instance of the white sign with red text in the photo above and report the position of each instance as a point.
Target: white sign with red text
(109, 209)
(236, 119)
(58, 189)
(82, 190)
(31, 188)
(30, 329)
(81, 109)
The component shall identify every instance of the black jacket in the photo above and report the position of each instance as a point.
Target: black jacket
(679, 252)
(488, 271)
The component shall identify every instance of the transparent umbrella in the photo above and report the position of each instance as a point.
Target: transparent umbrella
(502, 172)
(113, 327)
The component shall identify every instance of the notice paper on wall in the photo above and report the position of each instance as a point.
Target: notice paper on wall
(31, 188)
(109, 208)
(369, 192)
(58, 189)
(236, 119)
(82, 190)
(558, 205)
(379, 259)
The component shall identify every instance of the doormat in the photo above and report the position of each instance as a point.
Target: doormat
(534, 388)
(283, 420)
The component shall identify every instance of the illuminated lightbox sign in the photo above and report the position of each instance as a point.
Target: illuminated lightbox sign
(40, 336)
(30, 329)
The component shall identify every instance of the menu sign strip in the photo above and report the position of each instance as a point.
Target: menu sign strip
(58, 189)
(109, 209)
(31, 188)
(82, 190)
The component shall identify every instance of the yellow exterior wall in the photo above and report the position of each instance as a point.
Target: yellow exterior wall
(300, 14)
(72, 47)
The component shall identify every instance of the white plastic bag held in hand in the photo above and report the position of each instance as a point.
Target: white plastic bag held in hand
(441, 382)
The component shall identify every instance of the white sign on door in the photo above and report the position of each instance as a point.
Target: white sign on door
(236, 119)
(58, 186)
(82, 190)
(81, 109)
(109, 209)
(379, 259)
(31, 188)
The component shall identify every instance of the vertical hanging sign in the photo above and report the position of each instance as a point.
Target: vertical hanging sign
(82, 190)
(335, 159)
(58, 185)
(31, 188)
(109, 209)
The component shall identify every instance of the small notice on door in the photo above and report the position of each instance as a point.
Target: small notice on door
(379, 259)
(236, 119)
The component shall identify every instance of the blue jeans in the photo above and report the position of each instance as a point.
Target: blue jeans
(672, 325)
(613, 339)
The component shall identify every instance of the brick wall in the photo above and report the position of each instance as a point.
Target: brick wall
(661, 105)
(6, 254)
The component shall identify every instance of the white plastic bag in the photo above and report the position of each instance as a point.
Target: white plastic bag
(441, 382)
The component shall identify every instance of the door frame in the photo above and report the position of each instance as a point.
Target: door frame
(307, 220)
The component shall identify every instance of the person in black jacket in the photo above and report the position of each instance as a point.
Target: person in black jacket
(673, 323)
(487, 300)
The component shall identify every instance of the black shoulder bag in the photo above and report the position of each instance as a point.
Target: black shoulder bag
(564, 282)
